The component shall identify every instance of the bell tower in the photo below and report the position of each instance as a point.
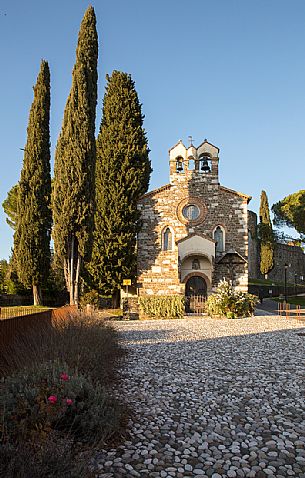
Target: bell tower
(200, 163)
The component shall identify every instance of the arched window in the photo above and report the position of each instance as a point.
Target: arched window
(219, 238)
(167, 240)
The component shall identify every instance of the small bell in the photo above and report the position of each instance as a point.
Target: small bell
(179, 166)
(204, 164)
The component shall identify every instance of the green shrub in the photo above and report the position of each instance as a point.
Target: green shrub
(230, 303)
(89, 298)
(51, 396)
(164, 307)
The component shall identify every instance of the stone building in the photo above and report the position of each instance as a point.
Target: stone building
(195, 231)
(284, 253)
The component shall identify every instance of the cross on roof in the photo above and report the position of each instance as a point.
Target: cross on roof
(190, 139)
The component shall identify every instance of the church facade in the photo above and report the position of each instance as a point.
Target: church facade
(194, 230)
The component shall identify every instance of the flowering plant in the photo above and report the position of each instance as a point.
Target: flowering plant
(52, 399)
(37, 401)
(231, 303)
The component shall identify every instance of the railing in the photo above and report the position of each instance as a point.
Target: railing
(9, 312)
(285, 310)
(18, 326)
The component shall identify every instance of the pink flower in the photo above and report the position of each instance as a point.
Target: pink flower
(69, 401)
(52, 399)
(64, 376)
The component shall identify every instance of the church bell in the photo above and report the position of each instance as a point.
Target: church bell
(179, 166)
(204, 165)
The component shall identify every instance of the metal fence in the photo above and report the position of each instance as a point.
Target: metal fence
(57, 299)
(15, 327)
(10, 312)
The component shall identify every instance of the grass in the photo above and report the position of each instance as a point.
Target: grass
(262, 282)
(87, 348)
(269, 282)
(294, 300)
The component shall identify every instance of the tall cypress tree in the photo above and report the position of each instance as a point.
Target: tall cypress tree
(266, 236)
(122, 176)
(33, 222)
(73, 190)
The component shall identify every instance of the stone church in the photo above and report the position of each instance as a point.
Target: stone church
(194, 230)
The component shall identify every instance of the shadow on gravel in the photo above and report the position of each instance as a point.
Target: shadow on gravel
(139, 335)
(283, 339)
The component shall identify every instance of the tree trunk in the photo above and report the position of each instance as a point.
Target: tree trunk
(76, 288)
(37, 294)
(67, 273)
(72, 273)
(116, 299)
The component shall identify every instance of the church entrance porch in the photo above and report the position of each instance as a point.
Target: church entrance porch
(195, 285)
(195, 294)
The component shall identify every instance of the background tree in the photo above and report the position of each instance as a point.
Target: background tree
(73, 191)
(33, 226)
(122, 176)
(10, 206)
(290, 212)
(265, 236)
(9, 283)
(3, 275)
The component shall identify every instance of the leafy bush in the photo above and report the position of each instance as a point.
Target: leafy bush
(230, 303)
(165, 306)
(89, 298)
(51, 396)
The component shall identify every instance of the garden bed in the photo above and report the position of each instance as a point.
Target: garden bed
(56, 398)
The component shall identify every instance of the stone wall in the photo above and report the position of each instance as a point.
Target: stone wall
(283, 254)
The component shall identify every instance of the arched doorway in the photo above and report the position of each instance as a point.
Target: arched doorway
(195, 285)
(196, 292)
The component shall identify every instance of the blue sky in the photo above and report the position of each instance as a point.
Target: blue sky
(231, 71)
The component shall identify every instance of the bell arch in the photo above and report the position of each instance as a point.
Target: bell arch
(179, 164)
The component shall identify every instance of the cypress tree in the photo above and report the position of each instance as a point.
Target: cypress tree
(266, 236)
(73, 190)
(122, 176)
(33, 220)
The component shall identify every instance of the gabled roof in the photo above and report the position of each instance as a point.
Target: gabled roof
(207, 142)
(193, 234)
(156, 191)
(175, 145)
(245, 196)
(230, 253)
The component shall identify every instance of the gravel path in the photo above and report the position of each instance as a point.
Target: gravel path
(216, 398)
